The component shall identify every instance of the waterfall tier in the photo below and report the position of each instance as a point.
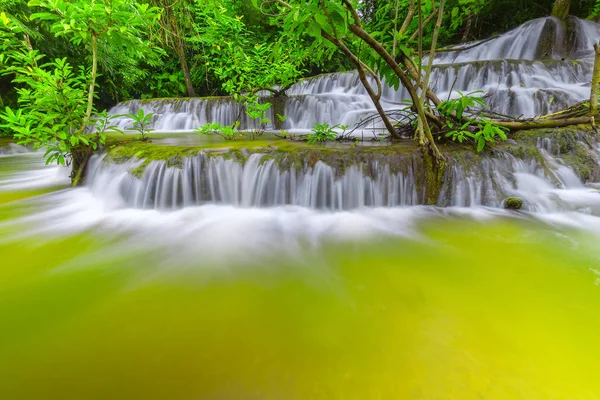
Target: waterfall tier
(546, 174)
(541, 67)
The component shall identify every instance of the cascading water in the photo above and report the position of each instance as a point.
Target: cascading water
(293, 272)
(540, 67)
(208, 179)
(544, 182)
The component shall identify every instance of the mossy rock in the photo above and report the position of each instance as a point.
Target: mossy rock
(565, 139)
(399, 157)
(513, 203)
(581, 159)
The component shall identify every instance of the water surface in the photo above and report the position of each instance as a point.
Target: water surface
(101, 301)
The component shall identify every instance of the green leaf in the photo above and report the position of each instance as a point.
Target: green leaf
(480, 144)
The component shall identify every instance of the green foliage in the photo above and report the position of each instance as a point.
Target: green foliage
(477, 130)
(486, 133)
(53, 112)
(167, 84)
(141, 122)
(51, 107)
(458, 106)
(258, 111)
(323, 133)
(596, 10)
(113, 32)
(461, 11)
(459, 133)
(227, 132)
(102, 124)
(121, 23)
(243, 62)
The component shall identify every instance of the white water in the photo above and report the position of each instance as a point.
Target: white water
(31, 172)
(247, 210)
(259, 201)
(531, 70)
(261, 182)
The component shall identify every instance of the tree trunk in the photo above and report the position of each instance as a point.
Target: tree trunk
(375, 98)
(406, 82)
(561, 9)
(595, 82)
(542, 123)
(467, 31)
(90, 104)
(185, 69)
(172, 30)
(80, 156)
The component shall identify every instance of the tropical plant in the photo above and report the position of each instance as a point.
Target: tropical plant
(322, 133)
(102, 125)
(483, 133)
(458, 106)
(479, 131)
(51, 102)
(118, 23)
(488, 133)
(141, 122)
(258, 111)
(56, 100)
(227, 132)
(165, 85)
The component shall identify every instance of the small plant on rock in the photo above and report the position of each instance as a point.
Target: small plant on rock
(102, 125)
(227, 132)
(258, 111)
(141, 122)
(322, 133)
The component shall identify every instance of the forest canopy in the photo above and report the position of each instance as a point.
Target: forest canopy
(200, 45)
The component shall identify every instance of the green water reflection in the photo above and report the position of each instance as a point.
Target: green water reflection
(475, 311)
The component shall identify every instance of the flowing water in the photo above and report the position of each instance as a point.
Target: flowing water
(110, 291)
(538, 68)
(249, 279)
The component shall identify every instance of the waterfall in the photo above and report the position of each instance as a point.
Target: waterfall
(185, 114)
(256, 183)
(544, 182)
(540, 67)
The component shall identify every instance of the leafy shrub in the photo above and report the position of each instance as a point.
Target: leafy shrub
(227, 132)
(322, 133)
(480, 131)
(52, 107)
(461, 104)
(486, 133)
(141, 121)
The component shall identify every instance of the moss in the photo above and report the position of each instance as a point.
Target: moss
(565, 138)
(434, 177)
(286, 154)
(400, 157)
(120, 151)
(567, 145)
(5, 141)
(582, 162)
(183, 99)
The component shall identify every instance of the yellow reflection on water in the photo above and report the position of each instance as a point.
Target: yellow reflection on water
(502, 311)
